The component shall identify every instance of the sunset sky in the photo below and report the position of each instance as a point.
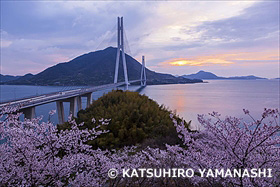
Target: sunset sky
(227, 38)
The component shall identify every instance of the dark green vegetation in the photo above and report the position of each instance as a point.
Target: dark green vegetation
(95, 68)
(135, 119)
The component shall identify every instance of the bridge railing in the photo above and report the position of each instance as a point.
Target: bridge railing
(31, 96)
(53, 96)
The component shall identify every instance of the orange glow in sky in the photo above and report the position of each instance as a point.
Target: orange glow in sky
(179, 63)
(223, 59)
(199, 62)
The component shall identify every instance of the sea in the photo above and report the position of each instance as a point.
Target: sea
(227, 97)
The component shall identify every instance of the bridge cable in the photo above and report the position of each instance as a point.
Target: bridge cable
(127, 48)
(106, 38)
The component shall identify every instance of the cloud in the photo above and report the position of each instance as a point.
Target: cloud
(256, 24)
(220, 59)
(182, 46)
(242, 58)
(42, 33)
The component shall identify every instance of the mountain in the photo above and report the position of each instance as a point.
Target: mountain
(249, 77)
(6, 78)
(96, 68)
(202, 75)
(208, 76)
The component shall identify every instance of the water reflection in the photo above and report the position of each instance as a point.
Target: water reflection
(228, 97)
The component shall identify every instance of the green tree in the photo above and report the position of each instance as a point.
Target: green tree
(135, 119)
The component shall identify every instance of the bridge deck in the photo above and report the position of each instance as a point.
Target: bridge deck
(52, 97)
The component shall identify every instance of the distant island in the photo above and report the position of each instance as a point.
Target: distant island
(94, 68)
(6, 78)
(211, 76)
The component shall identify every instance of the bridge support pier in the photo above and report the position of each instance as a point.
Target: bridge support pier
(73, 106)
(75, 103)
(89, 99)
(29, 113)
(79, 103)
(60, 111)
(79, 100)
(60, 108)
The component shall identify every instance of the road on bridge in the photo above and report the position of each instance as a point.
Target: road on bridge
(56, 96)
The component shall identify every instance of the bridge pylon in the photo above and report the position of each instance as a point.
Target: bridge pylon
(120, 44)
(143, 73)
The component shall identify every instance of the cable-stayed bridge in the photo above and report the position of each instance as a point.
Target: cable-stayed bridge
(74, 96)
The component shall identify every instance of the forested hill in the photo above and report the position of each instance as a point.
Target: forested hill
(96, 68)
(6, 78)
(208, 76)
(134, 119)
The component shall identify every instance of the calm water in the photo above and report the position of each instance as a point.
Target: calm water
(227, 97)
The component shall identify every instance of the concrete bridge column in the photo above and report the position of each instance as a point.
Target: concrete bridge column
(60, 112)
(89, 99)
(79, 103)
(73, 106)
(29, 113)
(75, 102)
